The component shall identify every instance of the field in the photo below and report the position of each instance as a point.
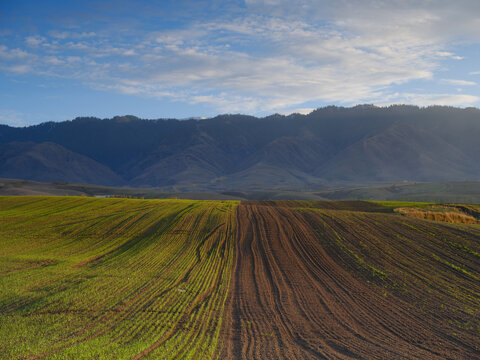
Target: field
(439, 192)
(179, 279)
(113, 278)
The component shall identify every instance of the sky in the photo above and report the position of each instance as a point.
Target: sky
(194, 58)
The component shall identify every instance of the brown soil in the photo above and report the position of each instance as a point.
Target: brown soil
(303, 289)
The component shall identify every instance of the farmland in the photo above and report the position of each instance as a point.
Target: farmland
(320, 281)
(171, 279)
(113, 278)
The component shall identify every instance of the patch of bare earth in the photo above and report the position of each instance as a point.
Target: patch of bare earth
(294, 297)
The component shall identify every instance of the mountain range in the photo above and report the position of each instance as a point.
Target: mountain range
(332, 146)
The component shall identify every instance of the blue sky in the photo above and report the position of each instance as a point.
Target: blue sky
(180, 59)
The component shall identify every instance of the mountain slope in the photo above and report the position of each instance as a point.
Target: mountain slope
(331, 146)
(402, 153)
(51, 162)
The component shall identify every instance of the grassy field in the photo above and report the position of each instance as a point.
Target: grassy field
(446, 192)
(95, 278)
(113, 278)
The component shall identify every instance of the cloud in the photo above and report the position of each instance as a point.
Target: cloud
(12, 54)
(456, 82)
(448, 54)
(300, 63)
(73, 35)
(303, 111)
(439, 19)
(18, 69)
(11, 118)
(54, 60)
(463, 100)
(273, 55)
(19, 118)
(34, 41)
(59, 34)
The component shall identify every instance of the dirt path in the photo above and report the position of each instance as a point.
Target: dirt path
(289, 299)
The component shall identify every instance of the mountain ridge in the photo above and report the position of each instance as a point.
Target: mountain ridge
(331, 146)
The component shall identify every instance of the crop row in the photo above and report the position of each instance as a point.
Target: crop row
(179, 279)
(113, 278)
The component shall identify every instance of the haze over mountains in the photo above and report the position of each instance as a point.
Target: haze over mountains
(331, 146)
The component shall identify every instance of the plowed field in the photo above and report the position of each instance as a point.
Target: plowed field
(84, 278)
(334, 284)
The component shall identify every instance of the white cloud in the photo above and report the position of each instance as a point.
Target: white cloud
(129, 52)
(34, 41)
(18, 118)
(448, 54)
(62, 35)
(59, 34)
(54, 60)
(463, 100)
(303, 111)
(434, 20)
(275, 55)
(305, 63)
(11, 118)
(18, 69)
(12, 54)
(457, 82)
(78, 45)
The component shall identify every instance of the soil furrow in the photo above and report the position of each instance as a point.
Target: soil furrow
(291, 299)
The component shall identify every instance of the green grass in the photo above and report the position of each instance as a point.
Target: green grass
(89, 278)
(396, 204)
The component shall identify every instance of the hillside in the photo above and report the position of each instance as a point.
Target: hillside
(50, 162)
(91, 278)
(332, 146)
